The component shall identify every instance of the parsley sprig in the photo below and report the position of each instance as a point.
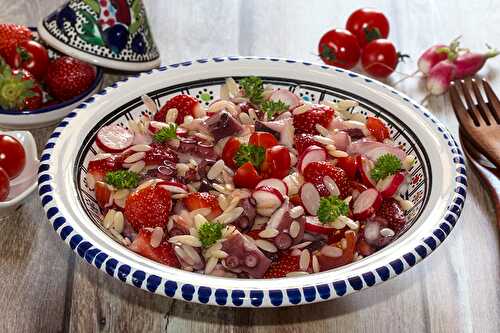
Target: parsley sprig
(166, 133)
(250, 153)
(386, 165)
(209, 233)
(122, 179)
(273, 108)
(253, 88)
(330, 208)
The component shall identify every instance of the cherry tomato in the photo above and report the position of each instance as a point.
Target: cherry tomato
(36, 101)
(246, 176)
(349, 165)
(12, 156)
(31, 56)
(379, 58)
(276, 162)
(339, 47)
(367, 25)
(377, 128)
(230, 148)
(263, 139)
(4, 184)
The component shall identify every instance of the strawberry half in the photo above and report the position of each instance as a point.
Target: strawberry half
(12, 35)
(184, 104)
(306, 122)
(285, 264)
(164, 253)
(392, 212)
(148, 207)
(99, 168)
(199, 200)
(304, 140)
(103, 194)
(316, 171)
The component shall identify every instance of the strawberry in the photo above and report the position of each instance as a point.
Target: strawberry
(315, 171)
(12, 35)
(304, 140)
(160, 153)
(68, 77)
(285, 264)
(99, 168)
(199, 200)
(392, 212)
(184, 104)
(148, 207)
(164, 253)
(36, 100)
(18, 89)
(306, 122)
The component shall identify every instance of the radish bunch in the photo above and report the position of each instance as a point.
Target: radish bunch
(443, 64)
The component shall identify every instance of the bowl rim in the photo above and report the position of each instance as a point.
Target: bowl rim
(139, 274)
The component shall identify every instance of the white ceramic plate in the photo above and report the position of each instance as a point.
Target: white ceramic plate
(437, 187)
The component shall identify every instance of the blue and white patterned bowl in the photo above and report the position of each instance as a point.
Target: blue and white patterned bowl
(437, 187)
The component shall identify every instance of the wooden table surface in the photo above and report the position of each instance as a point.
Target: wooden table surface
(46, 288)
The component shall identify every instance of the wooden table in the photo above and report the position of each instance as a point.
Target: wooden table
(46, 288)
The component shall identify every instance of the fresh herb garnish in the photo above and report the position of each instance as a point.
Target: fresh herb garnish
(330, 208)
(122, 179)
(386, 165)
(209, 233)
(273, 108)
(250, 153)
(253, 88)
(166, 133)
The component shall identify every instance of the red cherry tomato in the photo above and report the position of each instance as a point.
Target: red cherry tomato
(12, 155)
(31, 56)
(246, 176)
(276, 162)
(4, 184)
(339, 47)
(230, 148)
(377, 128)
(367, 25)
(349, 165)
(263, 139)
(379, 58)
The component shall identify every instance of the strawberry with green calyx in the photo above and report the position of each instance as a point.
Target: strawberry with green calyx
(12, 35)
(15, 89)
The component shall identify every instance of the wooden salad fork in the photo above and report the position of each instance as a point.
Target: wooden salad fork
(480, 120)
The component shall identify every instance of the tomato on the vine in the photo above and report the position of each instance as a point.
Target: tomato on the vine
(276, 162)
(12, 155)
(380, 58)
(377, 128)
(339, 47)
(367, 25)
(31, 56)
(4, 184)
(263, 139)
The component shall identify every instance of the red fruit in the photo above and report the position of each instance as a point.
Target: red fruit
(306, 122)
(380, 58)
(377, 128)
(295, 200)
(148, 207)
(4, 184)
(348, 164)
(33, 102)
(103, 194)
(12, 155)
(316, 171)
(263, 139)
(285, 264)
(31, 56)
(230, 149)
(368, 24)
(326, 262)
(304, 140)
(276, 162)
(184, 104)
(199, 200)
(68, 77)
(339, 47)
(392, 212)
(12, 35)
(246, 176)
(164, 253)
(160, 153)
(99, 168)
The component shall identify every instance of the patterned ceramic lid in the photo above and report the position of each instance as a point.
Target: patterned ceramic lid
(107, 33)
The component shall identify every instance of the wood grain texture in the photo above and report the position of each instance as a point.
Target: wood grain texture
(46, 288)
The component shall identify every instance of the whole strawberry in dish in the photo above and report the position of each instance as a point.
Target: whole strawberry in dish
(12, 35)
(184, 104)
(68, 77)
(318, 115)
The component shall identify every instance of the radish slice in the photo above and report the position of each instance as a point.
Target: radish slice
(173, 187)
(365, 167)
(310, 197)
(366, 204)
(274, 183)
(315, 226)
(267, 199)
(155, 126)
(390, 185)
(311, 154)
(286, 97)
(114, 139)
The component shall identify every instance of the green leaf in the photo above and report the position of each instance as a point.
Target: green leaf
(273, 108)
(386, 165)
(372, 34)
(94, 5)
(253, 88)
(166, 133)
(330, 208)
(122, 179)
(250, 153)
(209, 233)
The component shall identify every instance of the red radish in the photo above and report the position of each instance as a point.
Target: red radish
(274, 183)
(310, 197)
(440, 77)
(431, 57)
(355, 189)
(366, 204)
(315, 226)
(155, 126)
(267, 198)
(173, 187)
(365, 167)
(390, 185)
(286, 97)
(311, 154)
(114, 139)
(470, 63)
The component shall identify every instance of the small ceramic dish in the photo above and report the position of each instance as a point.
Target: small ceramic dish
(437, 186)
(24, 184)
(50, 115)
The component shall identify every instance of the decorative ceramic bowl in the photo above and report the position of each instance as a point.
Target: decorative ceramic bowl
(437, 187)
(24, 184)
(48, 115)
(106, 33)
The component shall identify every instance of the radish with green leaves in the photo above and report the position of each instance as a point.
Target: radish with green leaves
(469, 63)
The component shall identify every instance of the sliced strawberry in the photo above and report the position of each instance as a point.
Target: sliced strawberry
(304, 140)
(199, 200)
(148, 207)
(286, 264)
(392, 212)
(306, 122)
(99, 168)
(349, 165)
(377, 128)
(316, 171)
(164, 253)
(103, 195)
(160, 153)
(184, 104)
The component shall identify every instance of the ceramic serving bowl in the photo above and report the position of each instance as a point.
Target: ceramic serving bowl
(24, 184)
(437, 187)
(49, 115)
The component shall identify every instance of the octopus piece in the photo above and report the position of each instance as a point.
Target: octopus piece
(223, 124)
(332, 256)
(291, 231)
(245, 222)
